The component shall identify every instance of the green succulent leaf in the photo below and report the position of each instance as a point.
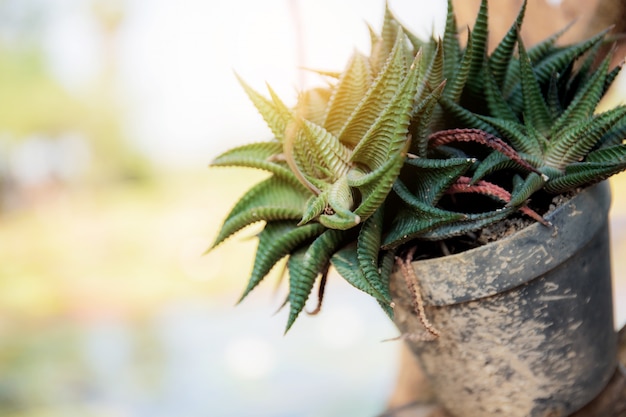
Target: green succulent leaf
(374, 193)
(585, 101)
(346, 263)
(496, 161)
(383, 49)
(353, 85)
(422, 120)
(428, 179)
(330, 152)
(533, 183)
(414, 222)
(535, 109)
(262, 155)
(516, 134)
(614, 136)
(434, 73)
(341, 203)
(501, 58)
(478, 38)
(305, 265)
(465, 117)
(610, 155)
(564, 57)
(368, 251)
(276, 115)
(536, 54)
(573, 143)
(277, 240)
(387, 136)
(498, 107)
(451, 44)
(584, 173)
(470, 223)
(312, 104)
(456, 82)
(378, 96)
(271, 199)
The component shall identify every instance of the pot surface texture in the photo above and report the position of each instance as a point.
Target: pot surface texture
(526, 322)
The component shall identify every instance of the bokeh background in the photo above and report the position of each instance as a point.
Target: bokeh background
(110, 111)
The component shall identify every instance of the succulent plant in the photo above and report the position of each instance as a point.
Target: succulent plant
(366, 165)
(334, 159)
(540, 103)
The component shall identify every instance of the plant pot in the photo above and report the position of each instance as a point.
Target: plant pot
(526, 322)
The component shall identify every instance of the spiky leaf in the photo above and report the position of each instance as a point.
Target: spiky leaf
(271, 199)
(305, 265)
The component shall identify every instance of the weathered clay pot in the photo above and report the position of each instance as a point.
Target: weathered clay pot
(526, 323)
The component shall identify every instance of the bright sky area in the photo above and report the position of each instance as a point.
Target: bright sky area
(176, 61)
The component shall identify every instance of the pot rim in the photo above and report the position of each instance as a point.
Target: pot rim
(516, 259)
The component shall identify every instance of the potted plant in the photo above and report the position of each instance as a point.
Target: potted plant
(463, 190)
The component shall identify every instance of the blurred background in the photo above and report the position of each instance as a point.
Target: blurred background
(110, 111)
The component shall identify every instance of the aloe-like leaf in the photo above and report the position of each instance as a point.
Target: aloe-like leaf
(536, 53)
(609, 155)
(315, 206)
(574, 143)
(516, 134)
(500, 58)
(585, 101)
(261, 155)
(327, 150)
(451, 46)
(464, 117)
(533, 183)
(379, 95)
(276, 115)
(384, 43)
(388, 134)
(479, 36)
(277, 240)
(615, 135)
(496, 161)
(271, 199)
(498, 107)
(421, 121)
(414, 222)
(586, 69)
(434, 73)
(582, 174)
(301, 163)
(341, 202)
(611, 76)
(558, 61)
(347, 94)
(471, 223)
(374, 193)
(428, 179)
(444, 137)
(553, 99)
(305, 265)
(456, 82)
(312, 104)
(535, 109)
(346, 263)
(368, 249)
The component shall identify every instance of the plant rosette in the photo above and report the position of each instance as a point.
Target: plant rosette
(411, 156)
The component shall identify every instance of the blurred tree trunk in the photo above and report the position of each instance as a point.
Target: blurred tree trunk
(543, 18)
